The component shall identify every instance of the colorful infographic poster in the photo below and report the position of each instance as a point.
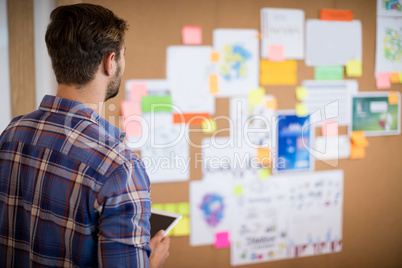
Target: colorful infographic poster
(389, 8)
(288, 216)
(293, 143)
(376, 113)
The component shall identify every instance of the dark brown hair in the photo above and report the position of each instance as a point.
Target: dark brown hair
(78, 37)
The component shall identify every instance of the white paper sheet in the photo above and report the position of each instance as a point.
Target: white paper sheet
(283, 27)
(238, 67)
(164, 148)
(330, 43)
(388, 57)
(389, 8)
(332, 147)
(187, 70)
(332, 100)
(288, 216)
(211, 210)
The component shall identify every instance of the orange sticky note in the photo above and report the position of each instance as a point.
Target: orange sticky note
(213, 83)
(137, 91)
(276, 52)
(383, 80)
(329, 128)
(215, 56)
(395, 78)
(336, 15)
(192, 35)
(264, 156)
(271, 104)
(393, 98)
(359, 139)
(193, 119)
(357, 152)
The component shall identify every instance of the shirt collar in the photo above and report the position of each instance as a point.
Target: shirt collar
(78, 109)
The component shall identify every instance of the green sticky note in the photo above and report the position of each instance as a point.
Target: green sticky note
(238, 190)
(157, 206)
(182, 228)
(301, 110)
(354, 68)
(301, 93)
(156, 104)
(183, 209)
(264, 173)
(171, 207)
(328, 73)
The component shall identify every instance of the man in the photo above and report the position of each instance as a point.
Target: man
(71, 194)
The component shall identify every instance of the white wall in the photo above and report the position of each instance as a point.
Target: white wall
(45, 81)
(5, 99)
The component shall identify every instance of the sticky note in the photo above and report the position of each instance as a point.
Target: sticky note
(354, 68)
(192, 35)
(131, 112)
(193, 119)
(264, 156)
(213, 83)
(328, 73)
(157, 206)
(182, 228)
(276, 52)
(256, 96)
(222, 240)
(400, 77)
(393, 98)
(395, 78)
(301, 110)
(238, 190)
(357, 152)
(209, 126)
(271, 104)
(301, 93)
(154, 103)
(278, 73)
(183, 208)
(137, 91)
(336, 15)
(171, 207)
(359, 139)
(264, 173)
(215, 56)
(383, 80)
(329, 128)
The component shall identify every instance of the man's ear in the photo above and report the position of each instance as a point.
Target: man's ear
(108, 61)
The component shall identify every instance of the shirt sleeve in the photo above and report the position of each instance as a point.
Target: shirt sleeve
(124, 208)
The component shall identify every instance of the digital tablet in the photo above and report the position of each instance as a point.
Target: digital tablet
(163, 220)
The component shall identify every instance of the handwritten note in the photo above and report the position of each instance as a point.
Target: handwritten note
(276, 52)
(383, 80)
(354, 68)
(192, 35)
(222, 240)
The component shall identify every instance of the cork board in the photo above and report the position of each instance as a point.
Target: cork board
(372, 229)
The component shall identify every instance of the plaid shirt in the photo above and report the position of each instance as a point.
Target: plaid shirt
(70, 193)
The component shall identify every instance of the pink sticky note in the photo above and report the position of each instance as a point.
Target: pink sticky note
(222, 240)
(137, 91)
(276, 53)
(131, 111)
(329, 128)
(192, 35)
(383, 80)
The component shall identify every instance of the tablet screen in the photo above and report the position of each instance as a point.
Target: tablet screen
(160, 222)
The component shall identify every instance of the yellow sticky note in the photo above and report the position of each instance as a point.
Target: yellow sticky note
(256, 96)
(357, 152)
(358, 139)
(271, 104)
(238, 190)
(301, 110)
(213, 83)
(157, 206)
(400, 77)
(264, 156)
(264, 173)
(209, 126)
(278, 73)
(183, 209)
(393, 98)
(301, 93)
(395, 78)
(354, 68)
(171, 207)
(182, 228)
(215, 56)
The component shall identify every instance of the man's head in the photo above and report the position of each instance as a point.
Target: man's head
(78, 37)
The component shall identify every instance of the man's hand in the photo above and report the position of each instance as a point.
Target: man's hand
(160, 249)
